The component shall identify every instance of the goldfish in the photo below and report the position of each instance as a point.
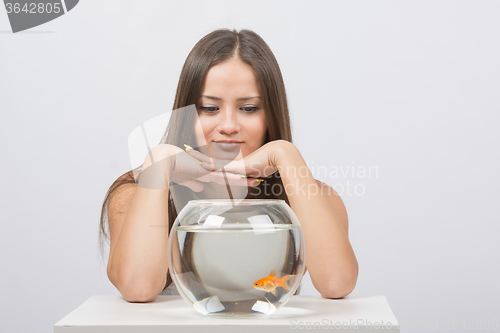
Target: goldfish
(271, 282)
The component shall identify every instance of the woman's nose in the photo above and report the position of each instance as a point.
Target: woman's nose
(229, 122)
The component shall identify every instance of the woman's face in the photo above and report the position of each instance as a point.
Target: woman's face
(230, 111)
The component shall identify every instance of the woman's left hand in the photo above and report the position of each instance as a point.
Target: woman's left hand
(261, 163)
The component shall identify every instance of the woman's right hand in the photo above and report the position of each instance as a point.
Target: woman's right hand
(167, 162)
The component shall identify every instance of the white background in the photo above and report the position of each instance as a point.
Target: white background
(408, 87)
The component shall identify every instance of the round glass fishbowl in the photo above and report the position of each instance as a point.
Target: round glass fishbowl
(236, 258)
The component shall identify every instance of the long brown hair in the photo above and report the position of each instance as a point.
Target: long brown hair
(214, 48)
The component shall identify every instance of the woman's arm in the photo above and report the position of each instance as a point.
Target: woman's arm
(330, 259)
(138, 226)
(138, 221)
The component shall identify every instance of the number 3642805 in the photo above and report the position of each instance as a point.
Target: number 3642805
(33, 8)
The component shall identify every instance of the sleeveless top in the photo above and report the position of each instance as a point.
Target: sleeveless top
(172, 290)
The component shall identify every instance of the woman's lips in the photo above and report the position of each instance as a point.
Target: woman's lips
(228, 146)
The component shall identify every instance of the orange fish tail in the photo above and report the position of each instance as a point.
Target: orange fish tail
(286, 282)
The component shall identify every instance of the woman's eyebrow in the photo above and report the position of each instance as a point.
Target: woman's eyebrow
(246, 98)
(239, 99)
(211, 97)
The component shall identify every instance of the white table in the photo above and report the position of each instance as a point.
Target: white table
(113, 314)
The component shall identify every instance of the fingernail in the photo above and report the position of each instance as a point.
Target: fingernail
(188, 148)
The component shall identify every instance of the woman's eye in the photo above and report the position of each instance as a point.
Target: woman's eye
(209, 109)
(250, 109)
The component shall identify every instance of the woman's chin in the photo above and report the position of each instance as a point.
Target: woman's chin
(226, 155)
(220, 154)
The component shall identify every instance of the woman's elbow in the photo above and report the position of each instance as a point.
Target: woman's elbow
(134, 292)
(339, 290)
(139, 296)
(139, 291)
(336, 292)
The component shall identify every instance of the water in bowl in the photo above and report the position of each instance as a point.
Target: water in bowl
(236, 270)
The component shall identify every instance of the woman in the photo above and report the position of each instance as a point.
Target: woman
(233, 109)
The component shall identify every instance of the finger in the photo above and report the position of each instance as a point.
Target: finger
(254, 182)
(211, 164)
(196, 154)
(248, 182)
(195, 186)
(228, 178)
(237, 167)
(242, 168)
(221, 177)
